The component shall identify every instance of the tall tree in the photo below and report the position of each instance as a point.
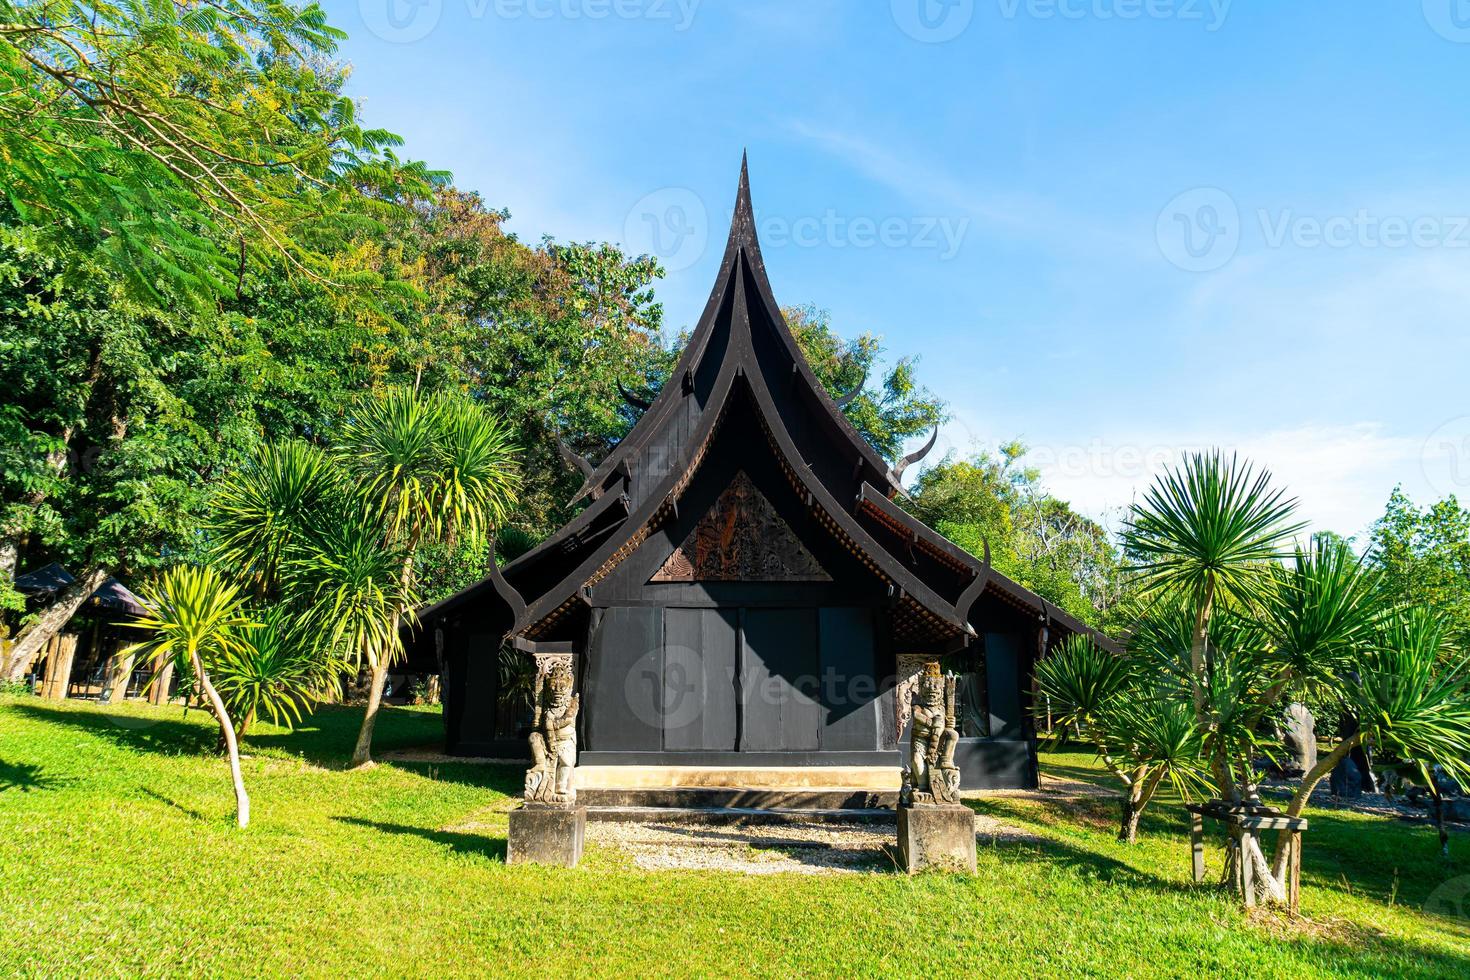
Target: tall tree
(1206, 531)
(1424, 554)
(198, 618)
(180, 137)
(888, 409)
(433, 470)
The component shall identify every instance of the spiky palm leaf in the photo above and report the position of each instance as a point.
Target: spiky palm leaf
(1324, 607)
(1205, 528)
(353, 585)
(1082, 681)
(389, 446)
(278, 670)
(477, 471)
(1161, 732)
(1412, 694)
(264, 510)
(191, 611)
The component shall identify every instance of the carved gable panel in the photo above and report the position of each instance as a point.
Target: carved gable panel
(741, 539)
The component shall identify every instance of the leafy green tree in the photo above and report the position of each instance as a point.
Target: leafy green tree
(178, 138)
(338, 535)
(198, 619)
(1033, 537)
(1424, 554)
(432, 470)
(890, 408)
(116, 416)
(1143, 732)
(275, 672)
(1207, 532)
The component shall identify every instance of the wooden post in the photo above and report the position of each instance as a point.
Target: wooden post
(1294, 873)
(163, 677)
(1247, 869)
(59, 658)
(119, 672)
(1197, 845)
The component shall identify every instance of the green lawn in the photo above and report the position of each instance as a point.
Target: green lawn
(118, 856)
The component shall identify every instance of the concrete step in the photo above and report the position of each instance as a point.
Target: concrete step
(741, 797)
(726, 815)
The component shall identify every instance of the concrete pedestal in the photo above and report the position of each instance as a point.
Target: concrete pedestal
(546, 835)
(940, 837)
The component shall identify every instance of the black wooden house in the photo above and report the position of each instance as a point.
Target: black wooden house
(741, 591)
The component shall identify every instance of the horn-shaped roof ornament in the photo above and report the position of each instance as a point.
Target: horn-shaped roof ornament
(633, 399)
(916, 456)
(847, 399)
(581, 464)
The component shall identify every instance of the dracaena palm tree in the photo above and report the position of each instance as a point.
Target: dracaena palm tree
(1143, 730)
(1207, 533)
(350, 581)
(277, 671)
(1410, 690)
(431, 469)
(197, 616)
(263, 512)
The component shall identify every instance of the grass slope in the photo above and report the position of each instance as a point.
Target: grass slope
(118, 856)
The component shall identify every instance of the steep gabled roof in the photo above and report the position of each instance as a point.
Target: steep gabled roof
(743, 353)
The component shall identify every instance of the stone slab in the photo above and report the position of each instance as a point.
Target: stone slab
(749, 777)
(735, 816)
(938, 837)
(546, 835)
(759, 799)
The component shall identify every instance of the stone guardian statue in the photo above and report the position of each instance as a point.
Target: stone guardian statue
(553, 739)
(931, 777)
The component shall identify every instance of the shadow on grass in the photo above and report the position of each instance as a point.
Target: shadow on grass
(492, 848)
(162, 735)
(325, 737)
(27, 777)
(509, 780)
(168, 801)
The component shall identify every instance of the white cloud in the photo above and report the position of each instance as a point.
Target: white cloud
(1341, 474)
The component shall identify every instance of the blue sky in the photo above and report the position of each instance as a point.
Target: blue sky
(1114, 229)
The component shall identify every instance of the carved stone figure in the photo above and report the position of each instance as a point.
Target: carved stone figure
(931, 777)
(553, 739)
(1298, 734)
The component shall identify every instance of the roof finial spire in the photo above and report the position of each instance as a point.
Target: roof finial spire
(743, 205)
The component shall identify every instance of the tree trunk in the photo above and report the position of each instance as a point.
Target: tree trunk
(63, 654)
(160, 682)
(1320, 771)
(1197, 655)
(1128, 830)
(1138, 796)
(362, 754)
(119, 673)
(1262, 874)
(9, 557)
(242, 801)
(33, 639)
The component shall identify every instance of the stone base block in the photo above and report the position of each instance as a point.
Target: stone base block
(940, 837)
(546, 835)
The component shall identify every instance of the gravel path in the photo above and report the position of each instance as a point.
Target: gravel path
(801, 848)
